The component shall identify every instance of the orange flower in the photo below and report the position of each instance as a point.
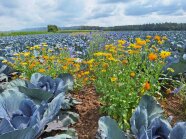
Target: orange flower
(32, 66)
(147, 85)
(124, 61)
(105, 65)
(158, 38)
(79, 75)
(137, 46)
(140, 42)
(152, 56)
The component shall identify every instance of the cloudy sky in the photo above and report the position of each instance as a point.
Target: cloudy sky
(18, 14)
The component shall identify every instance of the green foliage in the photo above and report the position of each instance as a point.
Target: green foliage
(123, 75)
(17, 33)
(52, 28)
(147, 122)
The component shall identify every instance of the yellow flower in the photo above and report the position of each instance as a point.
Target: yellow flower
(23, 63)
(147, 40)
(77, 66)
(121, 42)
(148, 37)
(41, 70)
(152, 56)
(168, 91)
(44, 44)
(132, 74)
(36, 47)
(64, 67)
(52, 57)
(113, 51)
(160, 42)
(113, 79)
(105, 65)
(86, 72)
(164, 38)
(98, 54)
(165, 54)
(26, 54)
(130, 51)
(170, 69)
(103, 70)
(46, 57)
(50, 50)
(133, 51)
(107, 55)
(90, 61)
(112, 59)
(31, 48)
(4, 61)
(131, 45)
(16, 54)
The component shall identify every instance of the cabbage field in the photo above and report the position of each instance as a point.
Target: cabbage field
(133, 73)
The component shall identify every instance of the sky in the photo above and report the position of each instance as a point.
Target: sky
(19, 14)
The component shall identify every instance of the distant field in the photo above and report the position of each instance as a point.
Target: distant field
(2, 34)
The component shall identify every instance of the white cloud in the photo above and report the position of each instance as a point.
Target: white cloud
(16, 14)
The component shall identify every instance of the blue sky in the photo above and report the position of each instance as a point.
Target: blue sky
(18, 14)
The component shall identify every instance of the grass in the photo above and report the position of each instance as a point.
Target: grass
(17, 33)
(3, 34)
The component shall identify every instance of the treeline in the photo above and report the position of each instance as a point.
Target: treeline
(144, 27)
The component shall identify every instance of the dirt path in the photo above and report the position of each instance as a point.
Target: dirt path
(87, 125)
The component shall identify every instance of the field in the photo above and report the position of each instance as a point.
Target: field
(93, 84)
(18, 33)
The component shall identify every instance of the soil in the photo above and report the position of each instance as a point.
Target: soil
(89, 113)
(174, 106)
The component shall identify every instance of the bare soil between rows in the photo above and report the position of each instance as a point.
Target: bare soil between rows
(89, 113)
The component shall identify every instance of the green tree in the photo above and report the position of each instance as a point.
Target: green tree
(52, 28)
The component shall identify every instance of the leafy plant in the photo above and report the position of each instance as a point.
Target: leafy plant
(108, 129)
(146, 123)
(46, 83)
(70, 134)
(125, 72)
(32, 109)
(19, 112)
